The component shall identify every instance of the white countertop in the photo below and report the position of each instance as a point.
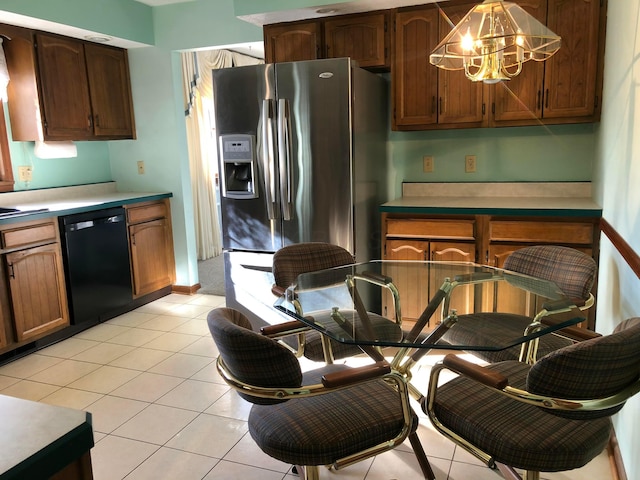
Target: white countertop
(506, 198)
(69, 200)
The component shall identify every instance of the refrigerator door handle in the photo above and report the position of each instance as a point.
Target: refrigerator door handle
(284, 158)
(268, 157)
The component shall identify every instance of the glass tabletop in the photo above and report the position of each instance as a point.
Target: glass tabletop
(412, 303)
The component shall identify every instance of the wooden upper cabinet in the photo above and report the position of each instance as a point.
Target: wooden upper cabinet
(566, 87)
(62, 88)
(563, 89)
(521, 97)
(460, 101)
(424, 95)
(108, 74)
(364, 38)
(414, 80)
(291, 42)
(65, 91)
(571, 75)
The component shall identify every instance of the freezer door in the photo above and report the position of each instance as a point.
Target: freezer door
(315, 151)
(244, 99)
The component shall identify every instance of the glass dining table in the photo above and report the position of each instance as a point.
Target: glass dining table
(341, 302)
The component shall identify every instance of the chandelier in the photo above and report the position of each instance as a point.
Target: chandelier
(492, 42)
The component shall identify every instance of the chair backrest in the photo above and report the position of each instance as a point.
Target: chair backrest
(571, 270)
(299, 258)
(591, 369)
(250, 357)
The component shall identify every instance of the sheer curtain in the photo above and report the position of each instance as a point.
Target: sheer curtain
(199, 117)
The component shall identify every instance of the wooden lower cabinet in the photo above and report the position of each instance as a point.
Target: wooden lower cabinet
(417, 288)
(483, 239)
(151, 245)
(36, 281)
(32, 285)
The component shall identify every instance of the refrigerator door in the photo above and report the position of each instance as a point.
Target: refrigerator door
(245, 114)
(315, 151)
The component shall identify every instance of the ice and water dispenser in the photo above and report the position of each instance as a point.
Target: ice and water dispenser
(239, 170)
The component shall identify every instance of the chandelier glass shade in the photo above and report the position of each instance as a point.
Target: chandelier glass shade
(493, 41)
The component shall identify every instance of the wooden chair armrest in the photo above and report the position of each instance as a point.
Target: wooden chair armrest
(376, 277)
(553, 305)
(278, 291)
(355, 375)
(475, 372)
(574, 333)
(294, 326)
(475, 277)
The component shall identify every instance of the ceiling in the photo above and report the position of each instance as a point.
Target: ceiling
(341, 8)
(254, 49)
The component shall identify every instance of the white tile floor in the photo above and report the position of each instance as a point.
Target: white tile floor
(160, 410)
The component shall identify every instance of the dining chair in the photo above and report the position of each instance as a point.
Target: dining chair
(333, 416)
(296, 259)
(571, 270)
(546, 417)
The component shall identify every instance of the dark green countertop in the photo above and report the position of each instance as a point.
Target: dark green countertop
(37, 439)
(86, 203)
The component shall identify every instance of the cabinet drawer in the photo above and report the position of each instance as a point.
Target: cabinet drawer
(146, 213)
(428, 228)
(28, 235)
(545, 232)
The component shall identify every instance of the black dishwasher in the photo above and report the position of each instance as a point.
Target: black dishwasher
(96, 262)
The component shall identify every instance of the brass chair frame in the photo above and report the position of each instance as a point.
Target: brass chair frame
(500, 384)
(296, 327)
(334, 382)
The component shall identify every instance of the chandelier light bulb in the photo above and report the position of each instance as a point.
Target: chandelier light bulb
(499, 38)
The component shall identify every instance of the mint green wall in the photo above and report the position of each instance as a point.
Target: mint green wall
(616, 175)
(120, 18)
(205, 23)
(522, 154)
(90, 166)
(161, 143)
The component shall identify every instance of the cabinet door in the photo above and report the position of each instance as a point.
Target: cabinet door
(413, 285)
(461, 297)
(151, 256)
(521, 97)
(108, 74)
(65, 92)
(460, 101)
(361, 37)
(414, 79)
(570, 75)
(36, 282)
(292, 42)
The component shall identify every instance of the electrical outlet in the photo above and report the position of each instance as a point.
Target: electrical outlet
(25, 174)
(140, 167)
(470, 163)
(427, 163)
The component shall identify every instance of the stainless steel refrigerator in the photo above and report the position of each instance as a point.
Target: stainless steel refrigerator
(302, 151)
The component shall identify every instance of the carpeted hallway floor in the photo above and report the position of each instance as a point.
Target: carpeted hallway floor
(211, 276)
